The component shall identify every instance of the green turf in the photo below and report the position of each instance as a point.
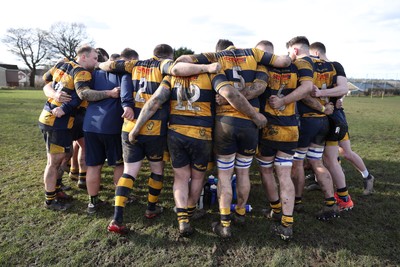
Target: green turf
(33, 236)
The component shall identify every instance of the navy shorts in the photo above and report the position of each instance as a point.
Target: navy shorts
(313, 130)
(268, 148)
(151, 147)
(229, 139)
(100, 147)
(77, 128)
(58, 141)
(185, 150)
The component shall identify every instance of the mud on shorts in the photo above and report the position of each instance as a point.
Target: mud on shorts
(185, 150)
(230, 139)
(59, 141)
(151, 147)
(267, 148)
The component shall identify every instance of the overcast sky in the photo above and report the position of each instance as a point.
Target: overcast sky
(363, 35)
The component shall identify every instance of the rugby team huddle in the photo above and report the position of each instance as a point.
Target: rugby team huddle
(225, 107)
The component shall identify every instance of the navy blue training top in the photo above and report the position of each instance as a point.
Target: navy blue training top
(104, 116)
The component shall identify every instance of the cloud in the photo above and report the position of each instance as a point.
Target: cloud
(362, 34)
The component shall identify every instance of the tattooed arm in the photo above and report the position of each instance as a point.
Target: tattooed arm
(249, 92)
(88, 94)
(239, 102)
(160, 96)
(315, 104)
(253, 91)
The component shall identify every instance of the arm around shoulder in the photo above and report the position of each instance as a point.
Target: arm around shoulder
(281, 61)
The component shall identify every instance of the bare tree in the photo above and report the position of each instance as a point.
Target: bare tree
(30, 45)
(65, 38)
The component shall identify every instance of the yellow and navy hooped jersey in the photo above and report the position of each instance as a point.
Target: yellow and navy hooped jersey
(239, 69)
(324, 74)
(282, 123)
(192, 105)
(68, 77)
(339, 72)
(146, 77)
(322, 78)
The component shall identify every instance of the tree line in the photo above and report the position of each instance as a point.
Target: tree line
(39, 48)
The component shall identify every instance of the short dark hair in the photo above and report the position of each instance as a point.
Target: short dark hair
(84, 49)
(129, 53)
(298, 40)
(320, 47)
(265, 43)
(163, 51)
(115, 56)
(223, 44)
(102, 55)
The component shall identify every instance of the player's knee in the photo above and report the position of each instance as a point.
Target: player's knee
(264, 163)
(226, 163)
(243, 162)
(347, 155)
(284, 161)
(315, 153)
(299, 154)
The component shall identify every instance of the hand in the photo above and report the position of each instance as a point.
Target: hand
(315, 92)
(61, 97)
(220, 100)
(132, 137)
(260, 120)
(214, 67)
(114, 93)
(58, 112)
(128, 113)
(329, 108)
(276, 102)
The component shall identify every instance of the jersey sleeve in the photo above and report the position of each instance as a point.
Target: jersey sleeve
(261, 74)
(123, 66)
(166, 66)
(204, 58)
(339, 69)
(82, 80)
(305, 69)
(166, 82)
(127, 91)
(219, 80)
(265, 58)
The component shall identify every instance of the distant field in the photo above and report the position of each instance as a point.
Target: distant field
(32, 236)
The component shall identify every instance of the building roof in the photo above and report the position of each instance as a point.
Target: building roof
(374, 85)
(9, 66)
(352, 86)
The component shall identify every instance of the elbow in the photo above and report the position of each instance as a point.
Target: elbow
(153, 105)
(230, 95)
(287, 62)
(81, 95)
(283, 62)
(176, 72)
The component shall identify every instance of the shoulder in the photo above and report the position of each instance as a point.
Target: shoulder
(304, 62)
